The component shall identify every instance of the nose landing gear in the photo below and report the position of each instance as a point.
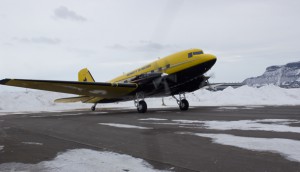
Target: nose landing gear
(182, 102)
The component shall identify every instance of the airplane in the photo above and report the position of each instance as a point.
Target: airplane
(176, 74)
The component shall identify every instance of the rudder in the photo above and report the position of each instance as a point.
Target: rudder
(84, 75)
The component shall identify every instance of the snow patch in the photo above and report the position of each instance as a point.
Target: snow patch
(153, 119)
(124, 126)
(160, 123)
(33, 143)
(290, 149)
(78, 160)
(187, 121)
(277, 125)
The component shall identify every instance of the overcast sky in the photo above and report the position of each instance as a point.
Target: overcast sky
(54, 39)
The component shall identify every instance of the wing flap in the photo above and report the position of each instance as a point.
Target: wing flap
(83, 99)
(92, 89)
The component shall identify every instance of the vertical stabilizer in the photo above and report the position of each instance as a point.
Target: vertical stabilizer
(84, 75)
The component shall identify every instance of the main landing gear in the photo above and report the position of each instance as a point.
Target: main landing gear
(182, 102)
(93, 108)
(140, 103)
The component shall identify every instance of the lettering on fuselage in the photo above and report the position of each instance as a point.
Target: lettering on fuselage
(138, 70)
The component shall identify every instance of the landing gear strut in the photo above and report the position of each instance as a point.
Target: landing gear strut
(182, 102)
(93, 108)
(140, 103)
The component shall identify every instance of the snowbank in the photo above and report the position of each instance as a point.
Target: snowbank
(78, 160)
(32, 100)
(245, 96)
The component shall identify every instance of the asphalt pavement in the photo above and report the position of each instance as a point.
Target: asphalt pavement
(164, 143)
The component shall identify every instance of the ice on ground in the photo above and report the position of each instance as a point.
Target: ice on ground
(124, 126)
(290, 149)
(1, 147)
(153, 119)
(34, 100)
(277, 125)
(33, 143)
(78, 160)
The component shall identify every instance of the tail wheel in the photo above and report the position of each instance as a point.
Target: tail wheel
(184, 105)
(142, 106)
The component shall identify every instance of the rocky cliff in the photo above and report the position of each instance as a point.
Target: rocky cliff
(287, 76)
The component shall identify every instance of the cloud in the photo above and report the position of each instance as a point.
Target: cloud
(149, 45)
(143, 46)
(64, 13)
(152, 46)
(117, 47)
(38, 40)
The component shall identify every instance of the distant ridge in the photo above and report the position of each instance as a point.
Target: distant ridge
(286, 76)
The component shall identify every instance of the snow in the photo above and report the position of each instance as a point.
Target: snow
(78, 160)
(276, 125)
(246, 96)
(124, 126)
(290, 149)
(33, 143)
(152, 119)
(36, 101)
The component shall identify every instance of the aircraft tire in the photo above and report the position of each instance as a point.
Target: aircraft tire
(93, 108)
(142, 107)
(184, 105)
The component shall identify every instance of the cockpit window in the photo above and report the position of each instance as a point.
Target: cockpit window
(198, 52)
(194, 53)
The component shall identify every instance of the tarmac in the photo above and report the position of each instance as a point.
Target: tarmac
(161, 144)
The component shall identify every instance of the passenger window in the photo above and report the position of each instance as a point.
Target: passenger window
(190, 55)
(167, 66)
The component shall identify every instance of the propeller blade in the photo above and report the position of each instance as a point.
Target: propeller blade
(166, 86)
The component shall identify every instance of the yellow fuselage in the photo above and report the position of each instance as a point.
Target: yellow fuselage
(169, 65)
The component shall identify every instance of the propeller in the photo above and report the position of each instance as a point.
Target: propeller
(212, 75)
(205, 83)
(163, 80)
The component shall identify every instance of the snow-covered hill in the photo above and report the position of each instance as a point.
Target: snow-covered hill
(287, 76)
(34, 101)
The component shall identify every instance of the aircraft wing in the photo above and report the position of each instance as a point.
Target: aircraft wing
(93, 89)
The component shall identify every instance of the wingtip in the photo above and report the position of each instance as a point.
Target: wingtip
(4, 81)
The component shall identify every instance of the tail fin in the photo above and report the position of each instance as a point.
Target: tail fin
(84, 75)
